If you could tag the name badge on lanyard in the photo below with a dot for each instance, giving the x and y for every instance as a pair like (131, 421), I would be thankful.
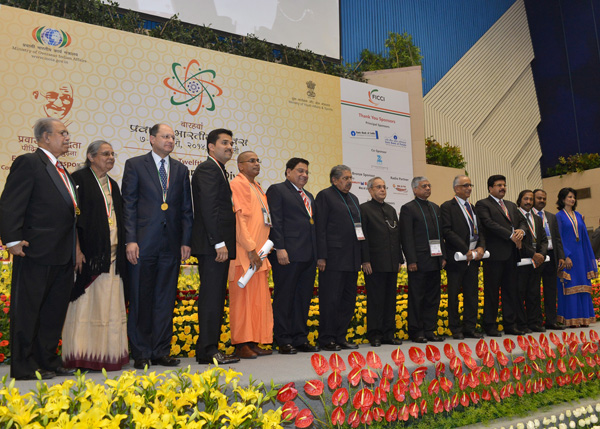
(436, 247)
(359, 232)
(472, 244)
(266, 217)
(550, 243)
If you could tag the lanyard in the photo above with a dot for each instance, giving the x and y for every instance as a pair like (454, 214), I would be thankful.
(574, 223)
(68, 184)
(425, 219)
(253, 187)
(529, 223)
(473, 218)
(164, 191)
(107, 205)
(349, 212)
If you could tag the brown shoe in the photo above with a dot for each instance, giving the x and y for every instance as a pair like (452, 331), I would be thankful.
(243, 351)
(259, 351)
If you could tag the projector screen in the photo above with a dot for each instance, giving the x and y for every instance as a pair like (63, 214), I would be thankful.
(314, 24)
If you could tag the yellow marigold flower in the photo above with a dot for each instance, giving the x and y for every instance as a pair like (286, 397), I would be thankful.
(187, 329)
(175, 349)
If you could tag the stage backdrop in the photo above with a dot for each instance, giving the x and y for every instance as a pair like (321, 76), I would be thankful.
(112, 85)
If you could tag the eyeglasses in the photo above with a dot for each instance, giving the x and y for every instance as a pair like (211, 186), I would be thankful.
(64, 133)
(166, 136)
(467, 185)
(251, 160)
(107, 154)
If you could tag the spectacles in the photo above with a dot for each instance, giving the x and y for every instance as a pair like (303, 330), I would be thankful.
(167, 136)
(107, 154)
(251, 160)
(64, 133)
(467, 185)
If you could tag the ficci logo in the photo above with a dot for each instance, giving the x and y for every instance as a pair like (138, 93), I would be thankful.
(51, 37)
(374, 97)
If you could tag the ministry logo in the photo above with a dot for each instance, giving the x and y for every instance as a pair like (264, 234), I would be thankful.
(193, 87)
(51, 37)
(311, 89)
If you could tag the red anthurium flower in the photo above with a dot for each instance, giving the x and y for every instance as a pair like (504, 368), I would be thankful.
(384, 384)
(554, 338)
(520, 389)
(550, 352)
(455, 362)
(565, 337)
(568, 379)
(438, 405)
(289, 411)
(367, 417)
(528, 386)
(590, 361)
(573, 338)
(356, 360)
(432, 353)
(287, 392)
(388, 372)
(532, 340)
(319, 363)
(434, 387)
(470, 362)
(485, 378)
(378, 414)
(379, 396)
(334, 380)
(562, 350)
(488, 359)
(472, 380)
(398, 357)
(560, 380)
(504, 392)
(531, 353)
(550, 367)
(523, 343)
(560, 364)
(423, 407)
(540, 353)
(536, 367)
(414, 390)
(314, 387)
(454, 401)
(474, 397)
(548, 381)
(502, 359)
(516, 373)
(399, 391)
(354, 377)
(368, 375)
(449, 351)
(340, 396)
(447, 405)
(597, 357)
(403, 413)
(594, 336)
(304, 418)
(518, 359)
(464, 400)
(416, 355)
(338, 417)
(495, 394)
(543, 340)
(464, 350)
(494, 376)
(457, 371)
(509, 345)
(481, 348)
(573, 347)
(354, 419)
(363, 399)
(413, 410)
(392, 414)
(511, 389)
(526, 370)
(445, 384)
(574, 363)
(337, 363)
(486, 395)
(373, 360)
(419, 374)
(591, 375)
(440, 369)
(403, 373)
(494, 347)
(505, 374)
(462, 382)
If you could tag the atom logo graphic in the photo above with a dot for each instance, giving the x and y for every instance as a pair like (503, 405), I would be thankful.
(195, 88)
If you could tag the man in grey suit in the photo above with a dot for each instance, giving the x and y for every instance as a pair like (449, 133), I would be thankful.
(158, 218)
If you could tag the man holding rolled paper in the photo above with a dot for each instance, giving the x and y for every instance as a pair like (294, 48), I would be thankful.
(534, 249)
(462, 234)
(250, 312)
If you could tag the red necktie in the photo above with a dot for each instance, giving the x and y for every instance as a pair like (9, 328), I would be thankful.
(306, 202)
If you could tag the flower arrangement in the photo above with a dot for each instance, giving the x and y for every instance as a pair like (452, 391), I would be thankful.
(580, 417)
(175, 399)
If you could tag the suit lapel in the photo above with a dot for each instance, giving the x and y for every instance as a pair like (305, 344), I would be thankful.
(153, 172)
(56, 179)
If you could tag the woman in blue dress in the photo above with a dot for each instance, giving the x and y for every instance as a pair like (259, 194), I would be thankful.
(575, 306)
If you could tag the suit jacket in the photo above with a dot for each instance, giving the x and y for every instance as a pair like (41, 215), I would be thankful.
(336, 236)
(143, 217)
(214, 220)
(457, 231)
(595, 239)
(382, 247)
(498, 228)
(557, 247)
(541, 240)
(414, 236)
(291, 228)
(36, 206)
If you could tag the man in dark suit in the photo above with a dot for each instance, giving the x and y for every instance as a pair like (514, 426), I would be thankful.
(213, 242)
(504, 228)
(462, 233)
(339, 232)
(535, 247)
(421, 230)
(37, 222)
(548, 271)
(381, 261)
(158, 227)
(294, 263)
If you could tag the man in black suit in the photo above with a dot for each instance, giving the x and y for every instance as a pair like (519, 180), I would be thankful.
(38, 209)
(421, 231)
(504, 229)
(462, 233)
(339, 232)
(294, 263)
(381, 261)
(534, 246)
(213, 242)
(548, 271)
(157, 212)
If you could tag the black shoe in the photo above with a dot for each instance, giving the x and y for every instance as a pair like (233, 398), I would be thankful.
(287, 349)
(345, 345)
(513, 331)
(493, 333)
(331, 347)
(46, 375)
(219, 357)
(526, 330)
(376, 342)
(434, 338)
(421, 340)
(458, 336)
(61, 370)
(166, 361)
(392, 341)
(141, 363)
(473, 334)
(555, 326)
(538, 328)
(307, 348)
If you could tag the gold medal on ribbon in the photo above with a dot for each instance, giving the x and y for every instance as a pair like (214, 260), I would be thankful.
(77, 211)
(164, 206)
(312, 222)
(110, 221)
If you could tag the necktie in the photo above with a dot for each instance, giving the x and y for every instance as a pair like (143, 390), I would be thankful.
(306, 202)
(544, 222)
(470, 211)
(162, 172)
(65, 179)
(505, 211)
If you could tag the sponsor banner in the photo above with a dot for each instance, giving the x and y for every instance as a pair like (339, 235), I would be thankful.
(376, 139)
